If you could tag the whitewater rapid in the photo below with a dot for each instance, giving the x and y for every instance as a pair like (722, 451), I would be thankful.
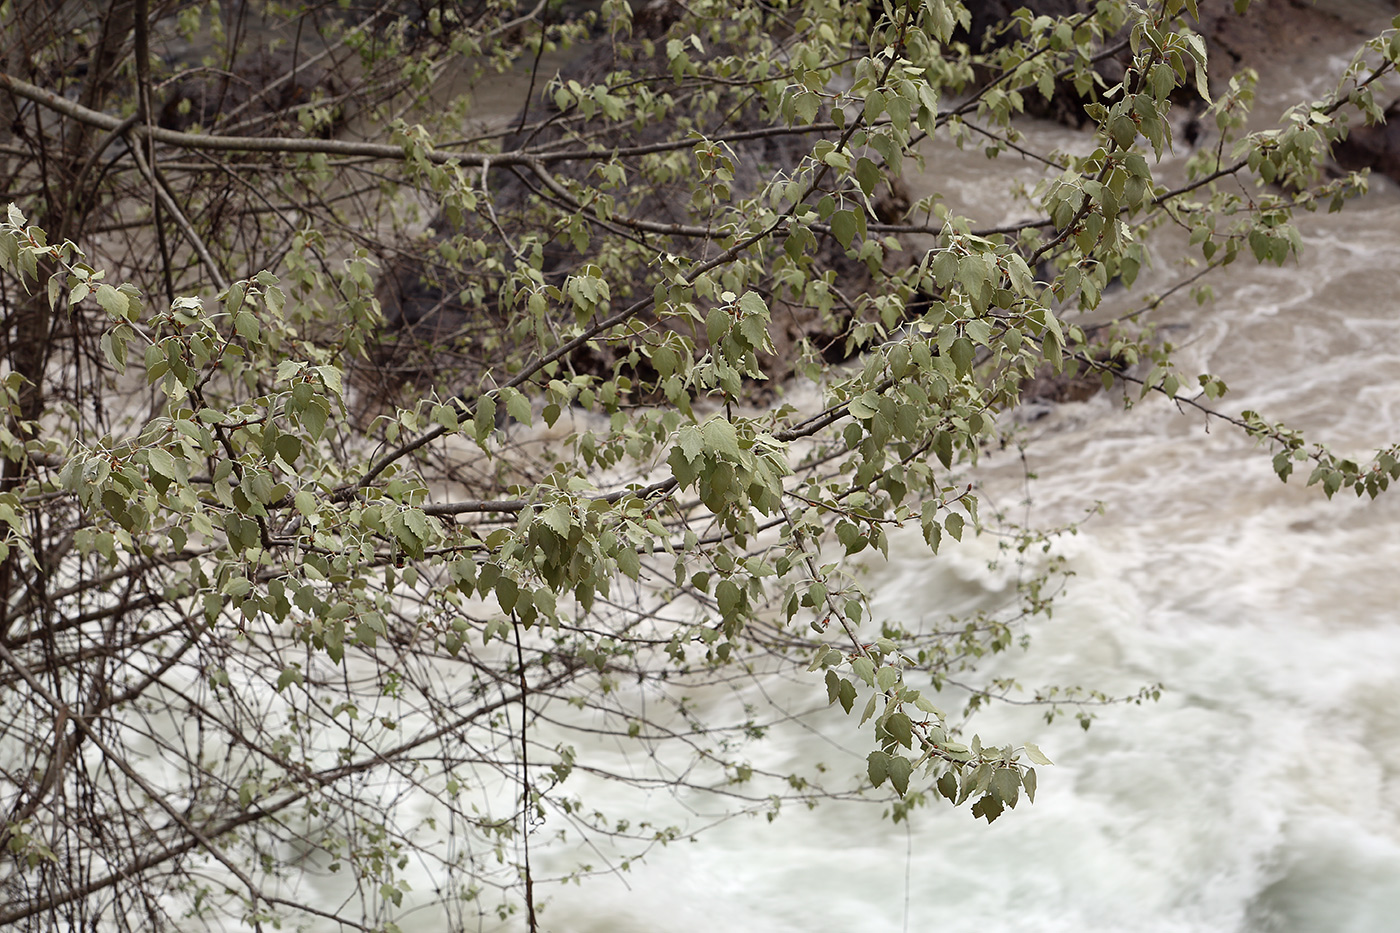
(1262, 793)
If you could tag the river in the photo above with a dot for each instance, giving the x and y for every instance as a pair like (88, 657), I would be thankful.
(1262, 793)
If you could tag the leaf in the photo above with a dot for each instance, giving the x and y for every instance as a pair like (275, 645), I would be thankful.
(948, 785)
(719, 436)
(988, 808)
(729, 597)
(161, 462)
(899, 768)
(867, 172)
(246, 325)
(484, 421)
(112, 301)
(864, 406)
(864, 668)
(417, 522)
(843, 227)
(752, 303)
(945, 268)
(289, 448)
(869, 709)
(446, 415)
(331, 377)
(690, 442)
(1036, 755)
(874, 106)
(314, 416)
(289, 676)
(1006, 786)
(924, 704)
(877, 766)
(838, 160)
(1198, 52)
(962, 353)
(943, 448)
(629, 563)
(847, 695)
(556, 517)
(899, 726)
(507, 592)
(233, 301)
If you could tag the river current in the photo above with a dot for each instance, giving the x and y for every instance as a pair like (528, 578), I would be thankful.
(1262, 793)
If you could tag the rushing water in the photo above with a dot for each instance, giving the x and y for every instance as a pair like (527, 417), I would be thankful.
(1262, 793)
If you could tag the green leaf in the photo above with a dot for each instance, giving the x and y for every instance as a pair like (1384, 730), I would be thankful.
(1036, 755)
(944, 267)
(962, 353)
(753, 303)
(729, 598)
(233, 301)
(719, 436)
(557, 518)
(314, 416)
(1006, 785)
(161, 462)
(899, 726)
(691, 443)
(867, 173)
(629, 563)
(446, 415)
(943, 448)
(246, 325)
(289, 676)
(899, 768)
(484, 421)
(864, 407)
(864, 668)
(869, 708)
(113, 301)
(988, 808)
(847, 695)
(843, 227)
(877, 767)
(948, 785)
(507, 592)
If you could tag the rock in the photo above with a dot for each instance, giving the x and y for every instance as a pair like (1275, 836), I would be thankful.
(205, 98)
(429, 324)
(1281, 33)
(1374, 147)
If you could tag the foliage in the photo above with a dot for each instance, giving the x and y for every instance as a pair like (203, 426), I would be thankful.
(257, 592)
